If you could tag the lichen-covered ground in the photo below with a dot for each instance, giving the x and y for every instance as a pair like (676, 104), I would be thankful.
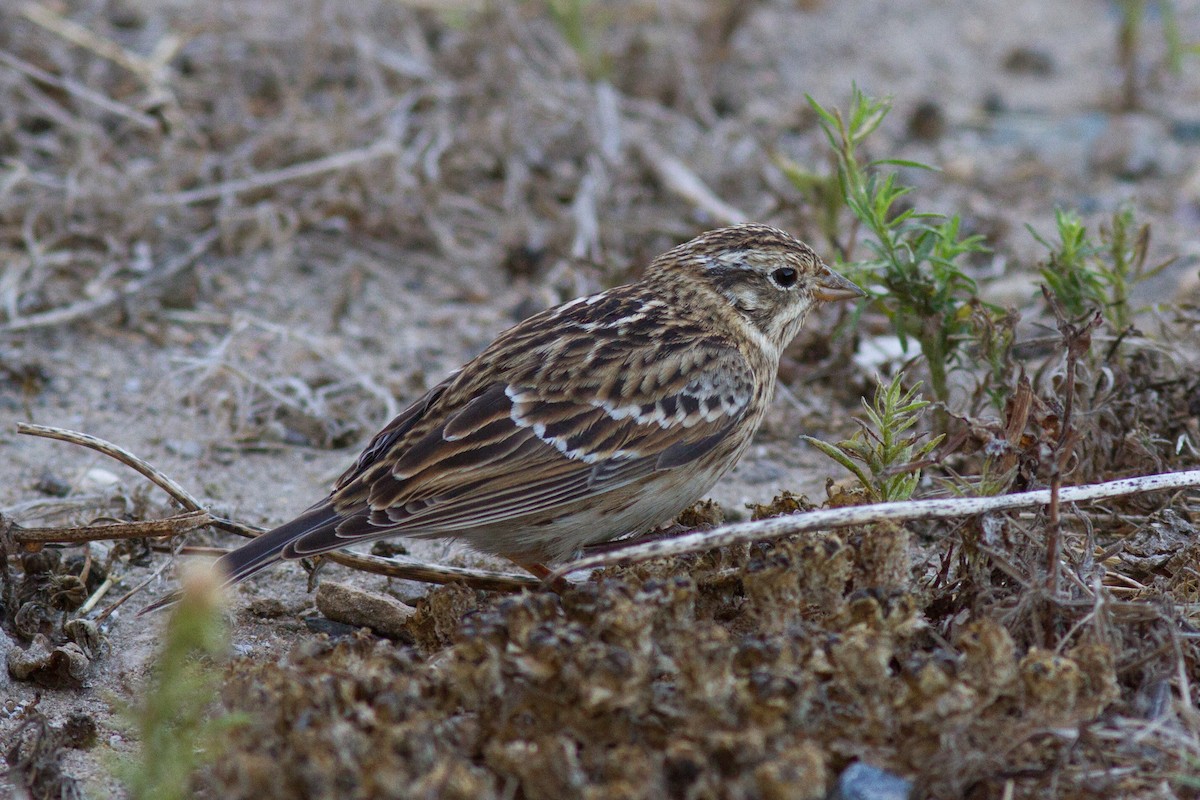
(235, 238)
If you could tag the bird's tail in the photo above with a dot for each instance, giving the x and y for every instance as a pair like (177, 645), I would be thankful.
(264, 550)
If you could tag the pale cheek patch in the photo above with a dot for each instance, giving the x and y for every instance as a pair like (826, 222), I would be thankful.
(743, 297)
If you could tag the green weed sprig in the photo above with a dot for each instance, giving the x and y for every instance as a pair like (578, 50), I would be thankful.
(1085, 274)
(880, 454)
(915, 271)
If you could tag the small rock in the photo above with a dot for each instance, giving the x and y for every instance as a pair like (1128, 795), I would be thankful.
(78, 731)
(994, 103)
(184, 448)
(98, 480)
(861, 781)
(267, 607)
(380, 613)
(50, 484)
(334, 630)
(1186, 131)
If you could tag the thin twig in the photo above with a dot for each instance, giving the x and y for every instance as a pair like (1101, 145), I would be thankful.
(680, 179)
(307, 169)
(79, 91)
(949, 508)
(153, 474)
(97, 596)
(83, 37)
(1077, 338)
(103, 615)
(87, 308)
(413, 570)
(171, 526)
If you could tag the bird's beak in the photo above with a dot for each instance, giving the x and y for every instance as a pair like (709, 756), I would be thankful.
(830, 286)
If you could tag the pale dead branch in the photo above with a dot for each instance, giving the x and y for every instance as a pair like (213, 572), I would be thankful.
(911, 511)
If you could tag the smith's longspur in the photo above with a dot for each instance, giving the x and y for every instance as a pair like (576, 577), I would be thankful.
(606, 415)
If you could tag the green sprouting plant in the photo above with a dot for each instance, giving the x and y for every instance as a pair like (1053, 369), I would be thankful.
(1068, 272)
(915, 271)
(1126, 246)
(1085, 274)
(177, 734)
(881, 453)
(828, 192)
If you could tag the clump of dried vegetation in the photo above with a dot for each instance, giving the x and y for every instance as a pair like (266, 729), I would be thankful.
(164, 195)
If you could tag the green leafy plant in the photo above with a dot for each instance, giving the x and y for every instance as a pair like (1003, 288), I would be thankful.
(173, 722)
(882, 452)
(1085, 274)
(915, 271)
(1068, 271)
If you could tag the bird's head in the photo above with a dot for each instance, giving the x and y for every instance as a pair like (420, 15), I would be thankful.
(768, 277)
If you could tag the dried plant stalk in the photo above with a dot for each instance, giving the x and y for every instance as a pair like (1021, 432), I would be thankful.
(171, 526)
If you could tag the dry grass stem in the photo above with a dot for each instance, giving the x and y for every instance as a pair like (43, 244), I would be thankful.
(383, 148)
(680, 179)
(78, 90)
(171, 526)
(146, 470)
(413, 570)
(89, 40)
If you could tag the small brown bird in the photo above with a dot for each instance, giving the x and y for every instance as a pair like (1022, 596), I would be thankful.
(607, 415)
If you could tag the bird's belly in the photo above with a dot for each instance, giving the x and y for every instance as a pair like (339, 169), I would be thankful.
(633, 509)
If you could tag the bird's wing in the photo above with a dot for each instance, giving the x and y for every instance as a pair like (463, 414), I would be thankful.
(513, 450)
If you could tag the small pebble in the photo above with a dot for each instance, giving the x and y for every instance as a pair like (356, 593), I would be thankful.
(861, 781)
(98, 480)
(50, 484)
(184, 448)
(1130, 147)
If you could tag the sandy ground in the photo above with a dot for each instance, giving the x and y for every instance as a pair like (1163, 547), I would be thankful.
(253, 377)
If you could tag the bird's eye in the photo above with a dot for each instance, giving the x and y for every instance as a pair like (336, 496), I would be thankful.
(785, 277)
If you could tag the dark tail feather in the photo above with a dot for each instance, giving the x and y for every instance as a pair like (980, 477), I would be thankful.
(264, 550)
